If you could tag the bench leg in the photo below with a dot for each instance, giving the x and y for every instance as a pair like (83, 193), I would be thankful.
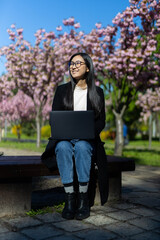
(115, 185)
(15, 196)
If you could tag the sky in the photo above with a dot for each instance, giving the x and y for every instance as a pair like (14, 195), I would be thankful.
(32, 15)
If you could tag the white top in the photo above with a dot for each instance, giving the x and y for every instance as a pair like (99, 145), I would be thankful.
(80, 99)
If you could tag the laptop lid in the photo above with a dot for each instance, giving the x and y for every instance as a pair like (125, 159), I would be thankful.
(72, 125)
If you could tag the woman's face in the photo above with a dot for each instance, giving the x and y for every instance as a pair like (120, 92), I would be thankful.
(78, 67)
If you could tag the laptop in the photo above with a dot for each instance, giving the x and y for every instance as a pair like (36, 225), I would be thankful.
(66, 125)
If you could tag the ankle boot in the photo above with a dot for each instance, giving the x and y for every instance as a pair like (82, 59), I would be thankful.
(70, 206)
(83, 210)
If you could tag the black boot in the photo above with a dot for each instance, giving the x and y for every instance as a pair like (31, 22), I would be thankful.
(70, 206)
(83, 210)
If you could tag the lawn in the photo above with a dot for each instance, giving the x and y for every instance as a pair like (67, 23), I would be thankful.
(137, 149)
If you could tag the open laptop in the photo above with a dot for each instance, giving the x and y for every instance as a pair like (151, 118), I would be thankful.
(72, 125)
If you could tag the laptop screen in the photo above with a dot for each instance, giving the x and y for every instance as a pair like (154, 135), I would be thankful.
(72, 125)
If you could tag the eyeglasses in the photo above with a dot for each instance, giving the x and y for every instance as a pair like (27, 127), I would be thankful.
(77, 64)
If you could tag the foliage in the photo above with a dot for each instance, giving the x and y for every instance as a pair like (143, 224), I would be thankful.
(45, 210)
(17, 130)
(46, 131)
(29, 128)
(59, 208)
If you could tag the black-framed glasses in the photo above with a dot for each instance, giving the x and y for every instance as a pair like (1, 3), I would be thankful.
(77, 64)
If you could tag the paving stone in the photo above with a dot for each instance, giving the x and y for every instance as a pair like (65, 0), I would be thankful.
(146, 212)
(145, 223)
(3, 229)
(12, 236)
(50, 217)
(157, 230)
(103, 209)
(64, 237)
(146, 236)
(71, 225)
(123, 229)
(122, 215)
(156, 217)
(97, 234)
(41, 232)
(147, 201)
(99, 220)
(21, 222)
(124, 206)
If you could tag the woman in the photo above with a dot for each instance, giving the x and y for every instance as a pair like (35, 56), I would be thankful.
(80, 93)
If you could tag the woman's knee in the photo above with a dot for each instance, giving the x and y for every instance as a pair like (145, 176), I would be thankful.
(83, 146)
(63, 146)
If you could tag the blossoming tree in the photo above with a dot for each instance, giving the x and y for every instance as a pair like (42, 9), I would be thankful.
(150, 104)
(131, 66)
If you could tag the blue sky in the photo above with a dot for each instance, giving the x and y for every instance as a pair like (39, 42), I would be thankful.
(32, 15)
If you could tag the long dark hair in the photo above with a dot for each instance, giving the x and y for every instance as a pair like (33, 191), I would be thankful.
(92, 92)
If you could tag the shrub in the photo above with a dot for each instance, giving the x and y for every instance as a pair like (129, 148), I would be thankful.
(46, 131)
(17, 130)
(103, 135)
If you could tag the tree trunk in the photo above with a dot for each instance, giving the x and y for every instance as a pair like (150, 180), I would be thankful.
(0, 134)
(38, 126)
(150, 131)
(119, 136)
(157, 126)
(119, 133)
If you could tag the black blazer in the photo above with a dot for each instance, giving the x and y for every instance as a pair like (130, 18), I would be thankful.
(99, 159)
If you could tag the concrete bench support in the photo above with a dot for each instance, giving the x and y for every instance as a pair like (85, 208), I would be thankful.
(115, 186)
(15, 196)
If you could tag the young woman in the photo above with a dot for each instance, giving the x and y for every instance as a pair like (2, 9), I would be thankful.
(80, 93)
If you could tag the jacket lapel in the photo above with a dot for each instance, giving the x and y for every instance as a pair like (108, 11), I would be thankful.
(89, 106)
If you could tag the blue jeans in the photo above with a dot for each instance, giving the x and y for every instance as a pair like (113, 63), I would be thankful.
(82, 152)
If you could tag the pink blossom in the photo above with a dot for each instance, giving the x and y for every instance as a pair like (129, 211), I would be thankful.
(98, 25)
(77, 25)
(59, 28)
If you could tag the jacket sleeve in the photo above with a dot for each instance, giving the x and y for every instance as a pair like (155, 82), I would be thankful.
(56, 105)
(100, 120)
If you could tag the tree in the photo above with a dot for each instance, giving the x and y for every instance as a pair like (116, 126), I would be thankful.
(131, 65)
(6, 87)
(35, 70)
(150, 104)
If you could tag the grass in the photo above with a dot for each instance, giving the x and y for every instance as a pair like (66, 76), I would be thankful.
(56, 208)
(137, 149)
(23, 146)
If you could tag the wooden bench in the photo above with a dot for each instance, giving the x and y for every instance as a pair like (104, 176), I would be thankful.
(16, 174)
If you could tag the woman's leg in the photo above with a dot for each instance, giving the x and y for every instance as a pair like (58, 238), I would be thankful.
(64, 157)
(83, 154)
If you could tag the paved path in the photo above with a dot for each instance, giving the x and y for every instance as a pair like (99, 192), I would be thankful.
(135, 217)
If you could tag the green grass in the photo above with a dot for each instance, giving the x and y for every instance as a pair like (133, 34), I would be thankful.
(139, 151)
(32, 212)
(23, 146)
(55, 208)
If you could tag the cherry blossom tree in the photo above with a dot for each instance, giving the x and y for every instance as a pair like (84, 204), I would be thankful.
(131, 66)
(6, 87)
(150, 104)
(34, 69)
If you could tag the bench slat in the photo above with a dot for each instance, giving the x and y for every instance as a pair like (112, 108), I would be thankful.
(28, 166)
